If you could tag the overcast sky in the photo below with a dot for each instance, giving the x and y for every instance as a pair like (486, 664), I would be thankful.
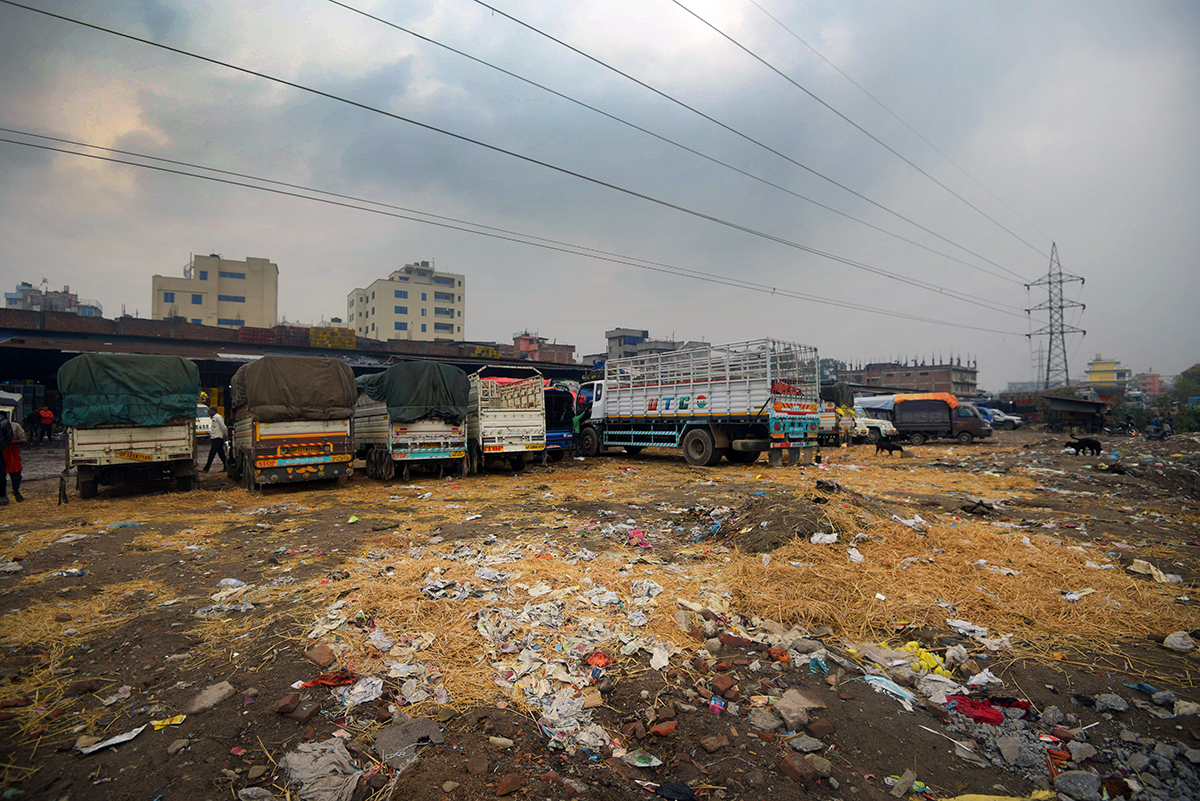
(1083, 117)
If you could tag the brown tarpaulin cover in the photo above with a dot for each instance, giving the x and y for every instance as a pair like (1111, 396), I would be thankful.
(277, 388)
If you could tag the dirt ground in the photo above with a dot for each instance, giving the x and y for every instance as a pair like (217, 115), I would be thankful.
(120, 611)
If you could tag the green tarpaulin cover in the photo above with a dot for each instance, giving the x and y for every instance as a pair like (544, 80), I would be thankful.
(419, 390)
(106, 389)
(278, 388)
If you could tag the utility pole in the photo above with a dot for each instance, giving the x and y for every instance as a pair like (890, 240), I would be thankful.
(1057, 372)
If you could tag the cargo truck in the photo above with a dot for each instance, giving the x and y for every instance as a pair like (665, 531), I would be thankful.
(129, 418)
(412, 414)
(930, 415)
(735, 401)
(292, 421)
(506, 418)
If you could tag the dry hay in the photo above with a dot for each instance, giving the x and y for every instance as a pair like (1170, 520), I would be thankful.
(34, 626)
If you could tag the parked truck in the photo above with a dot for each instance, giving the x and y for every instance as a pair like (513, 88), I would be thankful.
(860, 426)
(129, 418)
(924, 416)
(734, 400)
(292, 420)
(412, 414)
(560, 418)
(506, 418)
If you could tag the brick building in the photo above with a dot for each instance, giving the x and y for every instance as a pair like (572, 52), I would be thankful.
(954, 377)
(1151, 384)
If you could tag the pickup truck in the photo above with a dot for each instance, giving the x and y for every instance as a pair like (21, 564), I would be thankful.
(292, 421)
(506, 418)
(412, 414)
(129, 418)
(861, 426)
(733, 401)
(924, 416)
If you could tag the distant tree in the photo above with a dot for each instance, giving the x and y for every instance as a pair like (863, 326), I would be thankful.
(1187, 384)
(830, 368)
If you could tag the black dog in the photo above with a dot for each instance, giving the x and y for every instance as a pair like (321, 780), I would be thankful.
(891, 447)
(1084, 445)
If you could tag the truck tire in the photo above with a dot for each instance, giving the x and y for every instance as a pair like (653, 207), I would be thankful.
(966, 437)
(699, 449)
(405, 474)
(86, 483)
(742, 457)
(917, 438)
(387, 466)
(589, 442)
(517, 463)
(873, 435)
(633, 450)
(185, 483)
(556, 456)
(473, 456)
(1009, 425)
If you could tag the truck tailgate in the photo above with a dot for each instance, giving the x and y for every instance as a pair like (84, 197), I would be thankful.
(131, 444)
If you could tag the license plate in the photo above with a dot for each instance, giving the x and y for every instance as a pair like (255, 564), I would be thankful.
(532, 446)
(137, 457)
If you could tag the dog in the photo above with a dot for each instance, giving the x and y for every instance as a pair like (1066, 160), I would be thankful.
(1084, 445)
(882, 445)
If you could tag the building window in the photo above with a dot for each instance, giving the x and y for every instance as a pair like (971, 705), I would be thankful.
(372, 326)
(422, 274)
(443, 327)
(372, 296)
(460, 314)
(443, 312)
(197, 300)
(424, 296)
(444, 281)
(423, 314)
(196, 322)
(401, 310)
(401, 277)
(227, 321)
(232, 298)
(168, 297)
(224, 274)
(402, 293)
(422, 328)
(204, 275)
(401, 326)
(446, 296)
(460, 329)
(460, 298)
(460, 283)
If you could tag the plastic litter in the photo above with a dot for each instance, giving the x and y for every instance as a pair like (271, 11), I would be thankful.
(325, 770)
(823, 539)
(882, 684)
(1180, 641)
(111, 741)
(641, 759)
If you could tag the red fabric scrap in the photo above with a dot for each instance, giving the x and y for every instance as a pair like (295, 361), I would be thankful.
(335, 679)
(981, 711)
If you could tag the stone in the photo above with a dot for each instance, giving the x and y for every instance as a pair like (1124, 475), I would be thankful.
(1111, 702)
(734, 641)
(1164, 698)
(700, 664)
(450, 787)
(1080, 752)
(793, 706)
(256, 772)
(804, 645)
(756, 778)
(664, 713)
(1081, 785)
(397, 744)
(722, 684)
(81, 687)
(501, 742)
(820, 765)
(255, 794)
(663, 729)
(797, 768)
(286, 704)
(1138, 762)
(1052, 716)
(1010, 748)
(1128, 736)
(713, 646)
(1192, 755)
(806, 745)
(821, 728)
(714, 742)
(177, 746)
(477, 765)
(62, 617)
(305, 712)
(685, 707)
(510, 784)
(764, 719)
(320, 655)
(210, 696)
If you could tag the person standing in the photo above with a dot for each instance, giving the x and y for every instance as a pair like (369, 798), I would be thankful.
(11, 435)
(46, 429)
(217, 432)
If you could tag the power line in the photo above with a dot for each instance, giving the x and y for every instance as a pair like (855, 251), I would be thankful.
(515, 238)
(664, 139)
(736, 132)
(858, 127)
(529, 159)
(898, 118)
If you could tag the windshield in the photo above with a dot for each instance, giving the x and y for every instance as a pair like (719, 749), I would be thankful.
(202, 411)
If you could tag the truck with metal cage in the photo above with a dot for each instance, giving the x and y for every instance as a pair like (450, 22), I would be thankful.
(291, 421)
(413, 414)
(506, 418)
(733, 401)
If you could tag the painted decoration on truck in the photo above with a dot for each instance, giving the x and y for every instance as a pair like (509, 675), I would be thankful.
(683, 403)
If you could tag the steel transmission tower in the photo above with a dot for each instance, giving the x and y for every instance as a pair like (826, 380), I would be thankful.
(1056, 328)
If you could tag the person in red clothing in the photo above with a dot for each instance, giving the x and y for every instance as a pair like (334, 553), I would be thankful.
(46, 417)
(11, 435)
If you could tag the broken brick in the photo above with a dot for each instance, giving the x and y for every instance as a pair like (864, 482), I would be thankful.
(722, 684)
(796, 768)
(320, 655)
(714, 742)
(305, 712)
(510, 784)
(286, 704)
(821, 728)
(663, 729)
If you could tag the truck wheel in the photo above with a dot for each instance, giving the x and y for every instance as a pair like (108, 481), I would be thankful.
(405, 474)
(589, 442)
(872, 435)
(473, 456)
(1009, 425)
(466, 465)
(917, 438)
(742, 457)
(556, 456)
(185, 483)
(966, 437)
(517, 463)
(633, 450)
(699, 449)
(86, 482)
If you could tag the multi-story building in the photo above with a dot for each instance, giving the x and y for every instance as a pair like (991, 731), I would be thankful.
(539, 349)
(956, 378)
(220, 292)
(1151, 384)
(414, 302)
(1107, 372)
(28, 297)
(623, 342)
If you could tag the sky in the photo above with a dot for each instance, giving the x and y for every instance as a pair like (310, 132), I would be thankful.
(1014, 125)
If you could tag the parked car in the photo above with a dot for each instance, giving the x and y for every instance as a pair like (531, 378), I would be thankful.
(1006, 421)
(203, 422)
